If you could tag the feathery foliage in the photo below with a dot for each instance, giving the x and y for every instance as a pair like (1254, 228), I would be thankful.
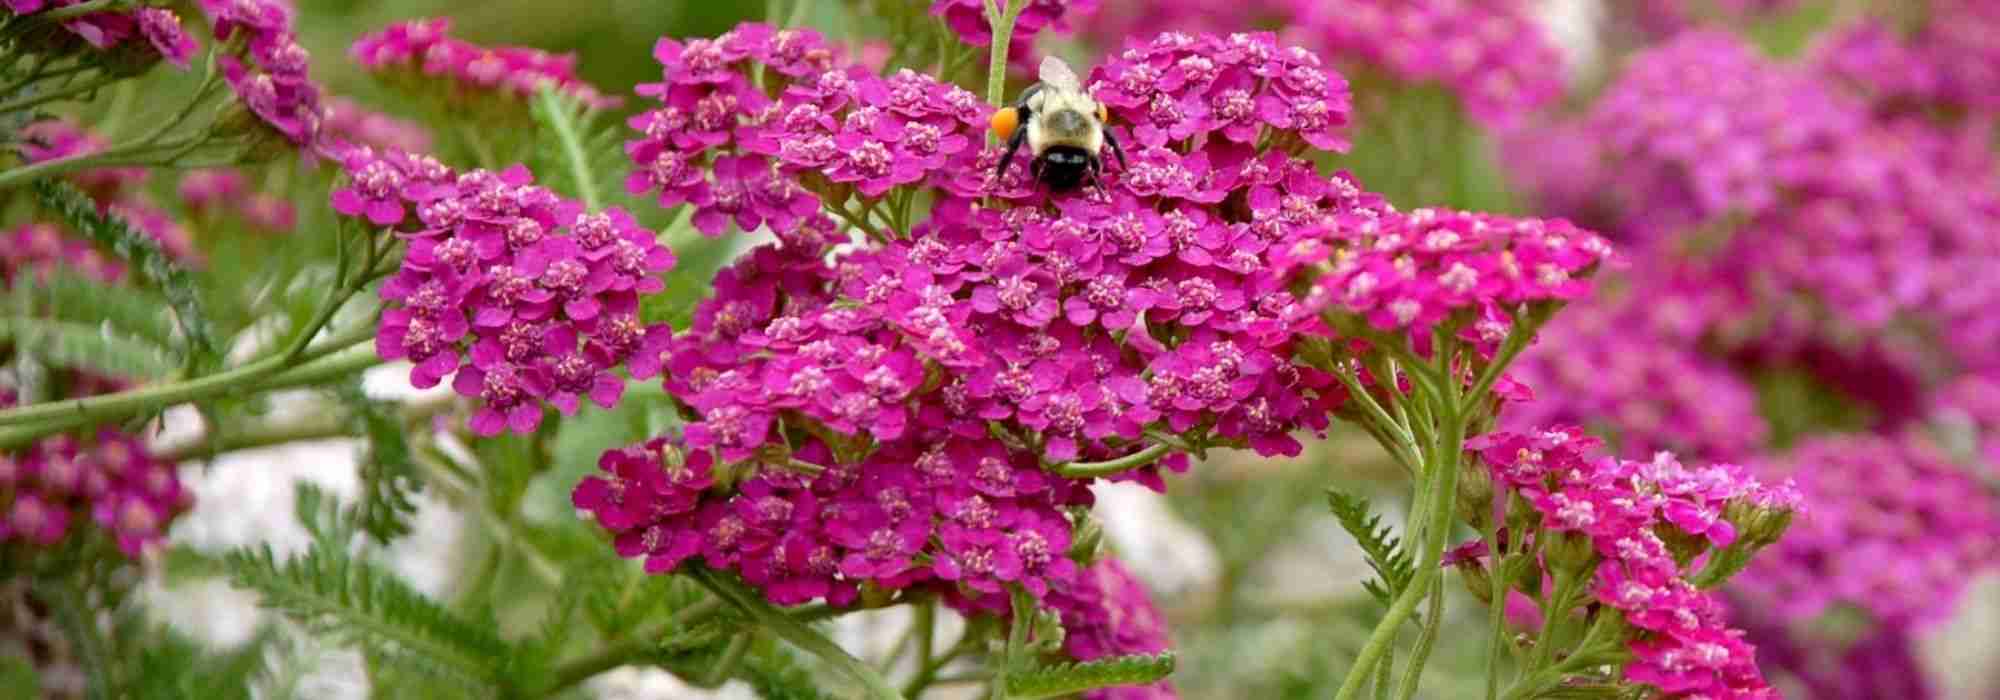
(62, 294)
(78, 210)
(95, 347)
(582, 153)
(389, 476)
(1392, 564)
(1066, 679)
(332, 592)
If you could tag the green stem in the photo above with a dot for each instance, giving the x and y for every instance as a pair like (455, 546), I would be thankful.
(1017, 641)
(261, 436)
(565, 132)
(796, 633)
(51, 96)
(1413, 676)
(1086, 470)
(1497, 574)
(570, 674)
(1436, 491)
(1003, 35)
(38, 420)
(78, 10)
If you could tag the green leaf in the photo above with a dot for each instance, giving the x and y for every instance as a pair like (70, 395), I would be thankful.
(331, 592)
(135, 247)
(568, 123)
(65, 295)
(171, 665)
(99, 348)
(1392, 564)
(390, 479)
(78, 622)
(1068, 679)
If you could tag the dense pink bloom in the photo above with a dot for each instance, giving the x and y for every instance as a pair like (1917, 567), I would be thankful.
(1409, 272)
(1109, 612)
(424, 48)
(1631, 367)
(1894, 530)
(111, 478)
(519, 294)
(1494, 55)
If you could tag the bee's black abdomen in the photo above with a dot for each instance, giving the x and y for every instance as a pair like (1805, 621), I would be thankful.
(1062, 168)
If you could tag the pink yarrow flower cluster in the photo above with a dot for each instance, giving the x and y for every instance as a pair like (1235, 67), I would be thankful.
(1494, 55)
(424, 49)
(518, 293)
(158, 30)
(1408, 272)
(110, 479)
(268, 68)
(1644, 521)
(1896, 529)
(1630, 367)
(57, 138)
(54, 486)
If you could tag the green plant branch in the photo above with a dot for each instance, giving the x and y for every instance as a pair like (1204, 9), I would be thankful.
(1436, 492)
(873, 685)
(260, 436)
(78, 10)
(1111, 467)
(28, 423)
(1413, 676)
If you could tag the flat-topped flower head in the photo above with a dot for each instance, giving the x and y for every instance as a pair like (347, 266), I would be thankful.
(522, 294)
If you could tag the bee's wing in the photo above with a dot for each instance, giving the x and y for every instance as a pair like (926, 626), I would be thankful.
(1058, 76)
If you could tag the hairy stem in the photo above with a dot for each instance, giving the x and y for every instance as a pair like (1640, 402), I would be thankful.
(1002, 19)
(1435, 492)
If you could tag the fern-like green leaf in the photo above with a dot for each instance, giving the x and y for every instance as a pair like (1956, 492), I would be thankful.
(582, 154)
(1066, 679)
(331, 592)
(1393, 567)
(389, 476)
(65, 295)
(78, 210)
(100, 348)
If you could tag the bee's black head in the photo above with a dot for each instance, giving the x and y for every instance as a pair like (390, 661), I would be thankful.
(1062, 168)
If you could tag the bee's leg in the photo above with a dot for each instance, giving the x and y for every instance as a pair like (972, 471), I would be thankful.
(1013, 145)
(1091, 168)
(1112, 141)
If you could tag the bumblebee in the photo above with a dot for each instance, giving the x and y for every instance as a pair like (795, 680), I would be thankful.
(1062, 126)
